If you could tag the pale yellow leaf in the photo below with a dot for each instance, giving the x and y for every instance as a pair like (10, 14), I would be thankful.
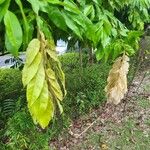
(53, 84)
(32, 51)
(42, 108)
(60, 106)
(61, 77)
(36, 85)
(30, 71)
(52, 54)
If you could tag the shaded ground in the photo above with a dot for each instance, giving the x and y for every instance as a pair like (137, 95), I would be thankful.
(121, 127)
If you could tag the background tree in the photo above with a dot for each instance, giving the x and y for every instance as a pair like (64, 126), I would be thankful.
(105, 26)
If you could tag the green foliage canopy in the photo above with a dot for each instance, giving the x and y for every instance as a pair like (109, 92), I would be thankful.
(93, 21)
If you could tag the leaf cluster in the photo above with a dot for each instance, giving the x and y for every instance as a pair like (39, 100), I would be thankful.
(93, 22)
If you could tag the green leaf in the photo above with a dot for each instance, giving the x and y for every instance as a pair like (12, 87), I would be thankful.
(1, 1)
(88, 9)
(70, 6)
(82, 2)
(44, 27)
(54, 2)
(56, 17)
(3, 8)
(107, 52)
(107, 26)
(26, 26)
(133, 38)
(129, 50)
(117, 50)
(99, 53)
(105, 39)
(13, 33)
(72, 25)
(97, 2)
(35, 5)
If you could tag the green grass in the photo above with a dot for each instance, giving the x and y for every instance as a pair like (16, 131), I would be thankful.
(128, 136)
(144, 102)
(131, 134)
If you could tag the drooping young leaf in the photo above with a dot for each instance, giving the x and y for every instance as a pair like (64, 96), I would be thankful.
(30, 71)
(39, 82)
(53, 84)
(54, 61)
(43, 83)
(41, 109)
(32, 51)
(44, 26)
(61, 77)
(13, 35)
(53, 55)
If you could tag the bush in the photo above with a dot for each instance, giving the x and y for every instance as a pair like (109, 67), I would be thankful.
(10, 84)
(22, 134)
(11, 90)
(71, 61)
(85, 89)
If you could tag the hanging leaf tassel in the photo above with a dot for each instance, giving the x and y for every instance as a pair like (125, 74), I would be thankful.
(45, 84)
(117, 80)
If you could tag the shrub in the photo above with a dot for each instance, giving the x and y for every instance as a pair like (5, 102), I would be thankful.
(71, 61)
(10, 84)
(85, 89)
(23, 134)
(11, 89)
